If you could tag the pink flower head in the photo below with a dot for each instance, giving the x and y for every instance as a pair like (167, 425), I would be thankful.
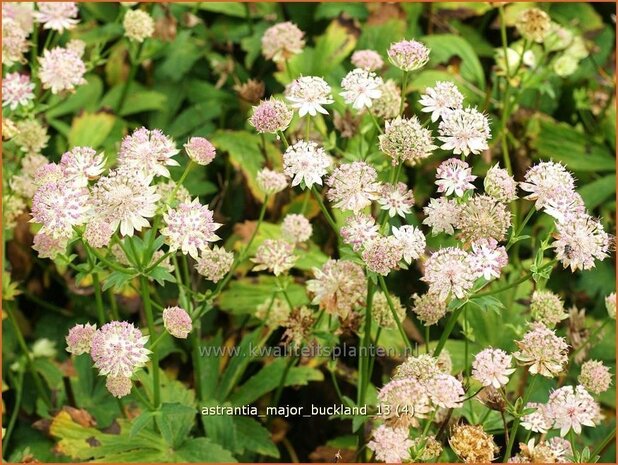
(408, 55)
(200, 150)
(148, 151)
(492, 367)
(58, 207)
(271, 116)
(454, 177)
(79, 339)
(57, 16)
(118, 386)
(118, 349)
(177, 322)
(367, 59)
(17, 90)
(61, 70)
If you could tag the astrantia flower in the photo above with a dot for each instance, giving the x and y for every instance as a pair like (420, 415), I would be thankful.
(610, 305)
(308, 94)
(454, 176)
(565, 205)
(382, 254)
(57, 16)
(274, 312)
(296, 228)
(544, 179)
(421, 367)
(367, 59)
(464, 131)
(98, 233)
(171, 193)
(353, 186)
(382, 313)
(406, 140)
(276, 256)
(412, 241)
(31, 136)
(483, 217)
(390, 445)
(408, 55)
(431, 448)
(50, 173)
(82, 164)
(581, 241)
(429, 308)
(48, 246)
(200, 150)
(442, 215)
(500, 185)
(338, 287)
(61, 70)
(547, 307)
(445, 391)
(595, 376)
(396, 199)
(124, 199)
(492, 367)
(472, 444)
(16, 90)
(543, 351)
(77, 46)
(488, 258)
(214, 263)
(118, 349)
(449, 273)
(118, 386)
(404, 401)
(282, 41)
(537, 421)
(358, 230)
(305, 162)
(13, 206)
(360, 88)
(177, 322)
(441, 99)
(79, 339)
(298, 326)
(271, 116)
(138, 25)
(14, 42)
(148, 151)
(271, 182)
(58, 207)
(571, 408)
(387, 105)
(534, 24)
(20, 12)
(23, 182)
(190, 227)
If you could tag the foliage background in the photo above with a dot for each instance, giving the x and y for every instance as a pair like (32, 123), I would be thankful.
(188, 86)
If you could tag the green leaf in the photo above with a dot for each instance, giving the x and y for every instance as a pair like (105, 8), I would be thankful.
(137, 100)
(246, 294)
(193, 118)
(561, 142)
(203, 450)
(237, 10)
(596, 192)
(245, 154)
(91, 129)
(86, 97)
(445, 46)
(50, 372)
(221, 429)
(180, 56)
(269, 377)
(380, 36)
(254, 437)
(175, 422)
(333, 10)
(142, 421)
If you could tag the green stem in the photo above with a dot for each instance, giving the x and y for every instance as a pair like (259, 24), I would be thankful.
(286, 144)
(448, 329)
(525, 278)
(375, 121)
(8, 307)
(184, 175)
(130, 78)
(404, 336)
(144, 287)
(513, 433)
(363, 363)
(113, 305)
(325, 212)
(98, 298)
(18, 387)
(404, 84)
(426, 339)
